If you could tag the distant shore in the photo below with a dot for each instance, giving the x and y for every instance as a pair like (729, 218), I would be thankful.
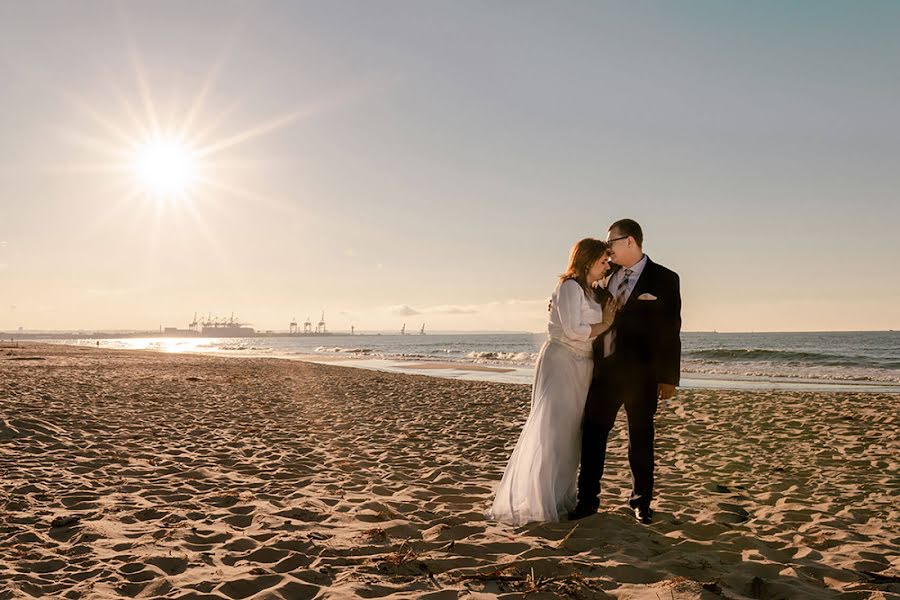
(155, 474)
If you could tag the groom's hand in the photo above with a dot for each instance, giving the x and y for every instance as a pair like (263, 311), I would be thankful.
(665, 391)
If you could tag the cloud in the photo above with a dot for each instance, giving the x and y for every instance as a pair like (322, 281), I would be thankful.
(497, 306)
(404, 310)
(516, 304)
(451, 310)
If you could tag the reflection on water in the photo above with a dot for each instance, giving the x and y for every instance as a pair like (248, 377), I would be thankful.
(158, 344)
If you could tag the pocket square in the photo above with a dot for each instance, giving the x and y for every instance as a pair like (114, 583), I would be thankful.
(647, 297)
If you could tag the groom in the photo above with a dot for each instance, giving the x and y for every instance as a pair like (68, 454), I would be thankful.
(636, 364)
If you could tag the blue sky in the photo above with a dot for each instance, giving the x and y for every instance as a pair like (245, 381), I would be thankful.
(434, 161)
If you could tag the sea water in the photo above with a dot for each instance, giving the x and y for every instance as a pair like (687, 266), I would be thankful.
(830, 360)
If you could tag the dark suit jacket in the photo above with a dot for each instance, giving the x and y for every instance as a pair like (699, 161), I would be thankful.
(648, 332)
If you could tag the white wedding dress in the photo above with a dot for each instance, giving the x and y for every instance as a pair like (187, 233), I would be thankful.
(540, 481)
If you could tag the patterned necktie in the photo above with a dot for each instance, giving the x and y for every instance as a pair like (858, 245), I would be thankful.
(609, 341)
(622, 296)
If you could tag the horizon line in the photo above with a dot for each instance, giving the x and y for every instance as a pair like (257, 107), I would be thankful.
(13, 333)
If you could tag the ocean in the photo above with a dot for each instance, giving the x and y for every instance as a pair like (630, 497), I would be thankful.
(862, 361)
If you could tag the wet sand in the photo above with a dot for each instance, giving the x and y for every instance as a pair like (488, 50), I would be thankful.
(141, 474)
(427, 366)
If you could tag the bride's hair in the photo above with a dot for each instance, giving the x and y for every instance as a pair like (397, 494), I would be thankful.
(582, 257)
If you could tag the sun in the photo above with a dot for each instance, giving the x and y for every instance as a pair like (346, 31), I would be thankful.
(165, 167)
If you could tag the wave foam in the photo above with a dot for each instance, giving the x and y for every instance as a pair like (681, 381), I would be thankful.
(516, 357)
(340, 350)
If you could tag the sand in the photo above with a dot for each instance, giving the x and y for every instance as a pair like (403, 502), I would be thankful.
(142, 474)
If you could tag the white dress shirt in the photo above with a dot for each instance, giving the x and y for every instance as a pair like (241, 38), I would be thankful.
(614, 287)
(571, 317)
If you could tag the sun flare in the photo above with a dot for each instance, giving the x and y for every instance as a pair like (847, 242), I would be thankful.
(165, 167)
(169, 167)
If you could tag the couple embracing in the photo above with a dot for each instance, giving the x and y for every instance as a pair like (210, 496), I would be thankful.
(614, 340)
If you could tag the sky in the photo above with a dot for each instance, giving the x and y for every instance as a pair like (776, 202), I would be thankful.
(432, 162)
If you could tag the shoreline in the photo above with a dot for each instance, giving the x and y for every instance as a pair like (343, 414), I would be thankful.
(523, 375)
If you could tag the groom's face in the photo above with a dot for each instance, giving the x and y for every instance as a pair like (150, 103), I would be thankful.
(618, 246)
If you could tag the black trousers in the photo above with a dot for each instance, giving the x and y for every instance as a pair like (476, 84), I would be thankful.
(616, 385)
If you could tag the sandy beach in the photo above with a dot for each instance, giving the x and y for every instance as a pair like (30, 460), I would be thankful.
(142, 474)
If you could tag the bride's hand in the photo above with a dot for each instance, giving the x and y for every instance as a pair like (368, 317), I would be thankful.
(610, 308)
(605, 324)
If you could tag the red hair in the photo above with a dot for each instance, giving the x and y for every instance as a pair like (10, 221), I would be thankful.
(582, 257)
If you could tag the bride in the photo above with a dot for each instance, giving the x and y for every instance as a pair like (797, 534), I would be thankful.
(539, 483)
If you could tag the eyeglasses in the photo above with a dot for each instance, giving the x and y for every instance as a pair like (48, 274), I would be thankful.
(624, 237)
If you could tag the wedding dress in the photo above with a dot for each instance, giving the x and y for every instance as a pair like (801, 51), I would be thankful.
(540, 481)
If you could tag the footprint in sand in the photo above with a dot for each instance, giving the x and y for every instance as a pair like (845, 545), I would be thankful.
(732, 513)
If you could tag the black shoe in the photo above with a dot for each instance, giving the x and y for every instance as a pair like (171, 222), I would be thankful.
(644, 514)
(581, 511)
